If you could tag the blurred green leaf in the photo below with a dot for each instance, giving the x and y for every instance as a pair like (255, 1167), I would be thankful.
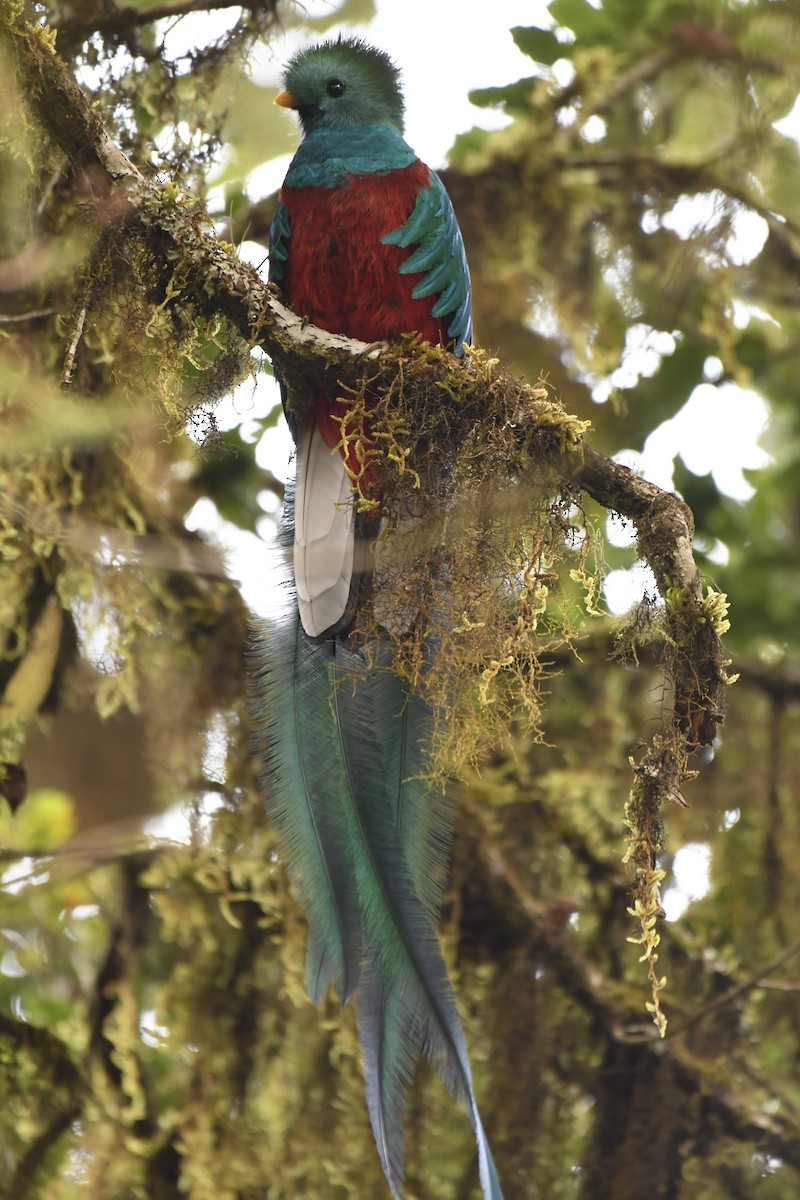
(779, 175)
(589, 24)
(45, 820)
(348, 12)
(706, 120)
(255, 132)
(541, 45)
(231, 477)
(515, 97)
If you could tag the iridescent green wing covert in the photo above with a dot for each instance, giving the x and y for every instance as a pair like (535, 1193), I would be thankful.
(433, 229)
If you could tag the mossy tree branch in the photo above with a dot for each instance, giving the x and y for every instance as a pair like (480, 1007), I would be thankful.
(214, 281)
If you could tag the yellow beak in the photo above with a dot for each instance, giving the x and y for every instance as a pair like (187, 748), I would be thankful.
(285, 100)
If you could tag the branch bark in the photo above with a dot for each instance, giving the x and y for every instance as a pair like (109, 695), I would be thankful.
(122, 23)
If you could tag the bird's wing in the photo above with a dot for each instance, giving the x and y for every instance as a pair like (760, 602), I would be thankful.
(279, 234)
(433, 229)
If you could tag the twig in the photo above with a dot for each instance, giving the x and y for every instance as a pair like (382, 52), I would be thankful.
(122, 22)
(33, 314)
(68, 370)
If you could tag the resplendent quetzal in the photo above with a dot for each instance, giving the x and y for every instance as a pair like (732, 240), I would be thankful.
(364, 243)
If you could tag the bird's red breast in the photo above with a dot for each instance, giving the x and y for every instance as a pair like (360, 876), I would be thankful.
(343, 278)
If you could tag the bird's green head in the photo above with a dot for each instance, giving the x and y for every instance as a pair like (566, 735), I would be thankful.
(341, 83)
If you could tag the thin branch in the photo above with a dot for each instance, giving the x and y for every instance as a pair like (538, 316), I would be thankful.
(34, 314)
(665, 527)
(122, 22)
(697, 177)
(68, 369)
(122, 18)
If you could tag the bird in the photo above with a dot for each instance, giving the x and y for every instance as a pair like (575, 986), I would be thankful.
(364, 243)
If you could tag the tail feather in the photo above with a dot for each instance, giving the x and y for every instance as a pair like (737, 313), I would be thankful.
(391, 1038)
(324, 541)
(297, 744)
(405, 1003)
(344, 753)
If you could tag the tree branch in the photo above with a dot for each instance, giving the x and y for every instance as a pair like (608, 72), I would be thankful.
(119, 20)
(122, 23)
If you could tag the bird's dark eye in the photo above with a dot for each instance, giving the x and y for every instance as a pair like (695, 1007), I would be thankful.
(335, 88)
